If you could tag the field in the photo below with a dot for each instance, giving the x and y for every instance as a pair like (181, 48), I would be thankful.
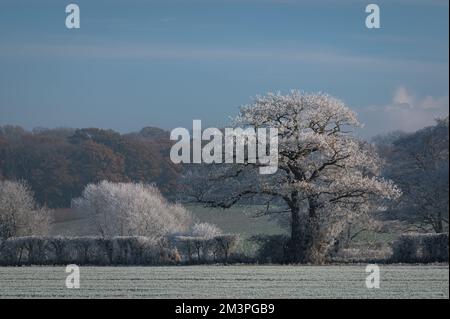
(397, 281)
(334, 281)
(239, 219)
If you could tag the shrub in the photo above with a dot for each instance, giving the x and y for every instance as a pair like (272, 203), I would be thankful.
(119, 250)
(272, 248)
(412, 248)
(435, 247)
(132, 250)
(225, 245)
(58, 245)
(362, 255)
(201, 249)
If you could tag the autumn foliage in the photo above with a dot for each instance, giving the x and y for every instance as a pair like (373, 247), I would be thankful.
(57, 164)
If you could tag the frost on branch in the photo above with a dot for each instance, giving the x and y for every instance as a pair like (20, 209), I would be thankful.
(19, 213)
(129, 209)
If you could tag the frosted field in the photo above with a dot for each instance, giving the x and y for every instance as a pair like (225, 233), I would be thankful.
(226, 282)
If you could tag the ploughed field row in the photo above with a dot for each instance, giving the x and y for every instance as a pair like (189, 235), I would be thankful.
(397, 281)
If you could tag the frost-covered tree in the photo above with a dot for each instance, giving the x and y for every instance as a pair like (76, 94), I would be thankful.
(325, 173)
(123, 209)
(205, 230)
(19, 213)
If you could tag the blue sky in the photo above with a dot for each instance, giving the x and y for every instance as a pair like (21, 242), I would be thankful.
(164, 63)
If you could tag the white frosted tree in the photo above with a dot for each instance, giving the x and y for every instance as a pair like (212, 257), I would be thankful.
(205, 230)
(324, 175)
(19, 213)
(130, 209)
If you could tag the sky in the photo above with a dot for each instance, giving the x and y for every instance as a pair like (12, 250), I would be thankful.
(164, 63)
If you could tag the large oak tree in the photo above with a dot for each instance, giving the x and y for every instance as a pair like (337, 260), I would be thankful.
(326, 175)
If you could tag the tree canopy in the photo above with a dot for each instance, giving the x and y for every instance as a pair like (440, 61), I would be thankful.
(59, 163)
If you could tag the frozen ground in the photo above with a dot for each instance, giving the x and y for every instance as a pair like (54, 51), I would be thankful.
(397, 281)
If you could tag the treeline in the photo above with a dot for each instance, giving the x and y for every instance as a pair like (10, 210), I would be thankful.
(58, 163)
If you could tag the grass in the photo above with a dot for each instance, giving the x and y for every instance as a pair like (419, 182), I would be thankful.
(397, 281)
(238, 219)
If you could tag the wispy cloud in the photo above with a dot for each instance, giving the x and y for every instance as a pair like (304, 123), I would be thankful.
(407, 112)
(143, 52)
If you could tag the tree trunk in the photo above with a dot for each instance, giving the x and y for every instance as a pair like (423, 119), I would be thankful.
(439, 225)
(314, 248)
(311, 249)
(306, 244)
(295, 244)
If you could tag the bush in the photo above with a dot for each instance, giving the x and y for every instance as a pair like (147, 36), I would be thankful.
(133, 250)
(225, 245)
(435, 247)
(412, 248)
(272, 248)
(202, 250)
(362, 255)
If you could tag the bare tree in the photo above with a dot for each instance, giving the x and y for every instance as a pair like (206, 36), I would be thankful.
(125, 209)
(324, 175)
(419, 163)
(19, 213)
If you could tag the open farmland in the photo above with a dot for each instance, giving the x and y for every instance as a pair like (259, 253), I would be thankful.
(239, 219)
(397, 281)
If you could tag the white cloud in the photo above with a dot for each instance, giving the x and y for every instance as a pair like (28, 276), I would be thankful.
(402, 96)
(407, 112)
